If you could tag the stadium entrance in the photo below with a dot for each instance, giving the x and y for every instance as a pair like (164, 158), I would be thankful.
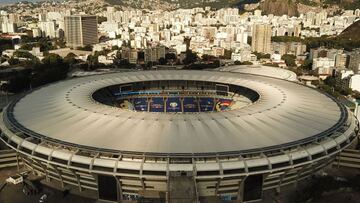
(107, 188)
(253, 188)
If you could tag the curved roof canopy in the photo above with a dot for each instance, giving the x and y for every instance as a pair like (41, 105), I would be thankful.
(285, 113)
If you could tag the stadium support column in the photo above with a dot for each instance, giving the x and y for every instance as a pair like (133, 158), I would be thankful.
(167, 179)
(241, 189)
(77, 178)
(120, 192)
(17, 161)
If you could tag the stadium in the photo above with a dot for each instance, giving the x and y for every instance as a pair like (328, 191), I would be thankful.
(156, 134)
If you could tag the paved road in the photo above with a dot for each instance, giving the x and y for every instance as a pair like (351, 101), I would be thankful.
(13, 194)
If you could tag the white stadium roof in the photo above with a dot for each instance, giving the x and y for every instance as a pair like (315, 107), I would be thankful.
(285, 113)
(269, 71)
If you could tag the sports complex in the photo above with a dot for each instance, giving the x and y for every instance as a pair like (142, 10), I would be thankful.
(140, 134)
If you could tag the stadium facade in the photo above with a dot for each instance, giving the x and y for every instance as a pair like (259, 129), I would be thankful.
(123, 135)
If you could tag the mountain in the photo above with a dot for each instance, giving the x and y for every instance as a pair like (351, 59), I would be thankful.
(153, 4)
(279, 7)
(351, 32)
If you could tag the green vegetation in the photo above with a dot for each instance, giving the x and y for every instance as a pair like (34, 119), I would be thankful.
(18, 82)
(13, 61)
(332, 42)
(271, 64)
(101, 19)
(5, 44)
(202, 66)
(45, 44)
(52, 68)
(347, 5)
(337, 42)
(307, 65)
(86, 48)
(333, 87)
(320, 185)
(190, 58)
(187, 3)
(23, 54)
(308, 2)
(261, 55)
(289, 60)
(243, 63)
(285, 39)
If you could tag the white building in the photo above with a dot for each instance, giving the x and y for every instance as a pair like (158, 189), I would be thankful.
(48, 29)
(354, 83)
(8, 27)
(323, 66)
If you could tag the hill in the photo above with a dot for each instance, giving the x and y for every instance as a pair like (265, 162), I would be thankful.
(351, 32)
(216, 4)
(276, 7)
(279, 7)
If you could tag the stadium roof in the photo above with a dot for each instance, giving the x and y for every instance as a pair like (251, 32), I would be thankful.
(275, 72)
(285, 113)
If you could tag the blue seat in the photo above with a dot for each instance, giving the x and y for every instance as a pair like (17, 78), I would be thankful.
(157, 104)
(173, 104)
(140, 104)
(206, 104)
(190, 104)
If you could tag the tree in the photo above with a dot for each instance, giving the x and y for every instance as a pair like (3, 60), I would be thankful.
(330, 81)
(70, 59)
(60, 43)
(307, 65)
(5, 44)
(190, 57)
(116, 47)
(285, 39)
(53, 59)
(261, 55)
(162, 61)
(13, 61)
(227, 54)
(208, 58)
(23, 54)
(18, 83)
(289, 60)
(27, 46)
(170, 56)
(243, 63)
(50, 70)
(92, 62)
(101, 19)
(86, 48)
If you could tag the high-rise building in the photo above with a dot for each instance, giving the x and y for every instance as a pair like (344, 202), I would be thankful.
(354, 61)
(261, 38)
(47, 29)
(81, 30)
(8, 27)
(42, 17)
(340, 60)
(133, 57)
(154, 54)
